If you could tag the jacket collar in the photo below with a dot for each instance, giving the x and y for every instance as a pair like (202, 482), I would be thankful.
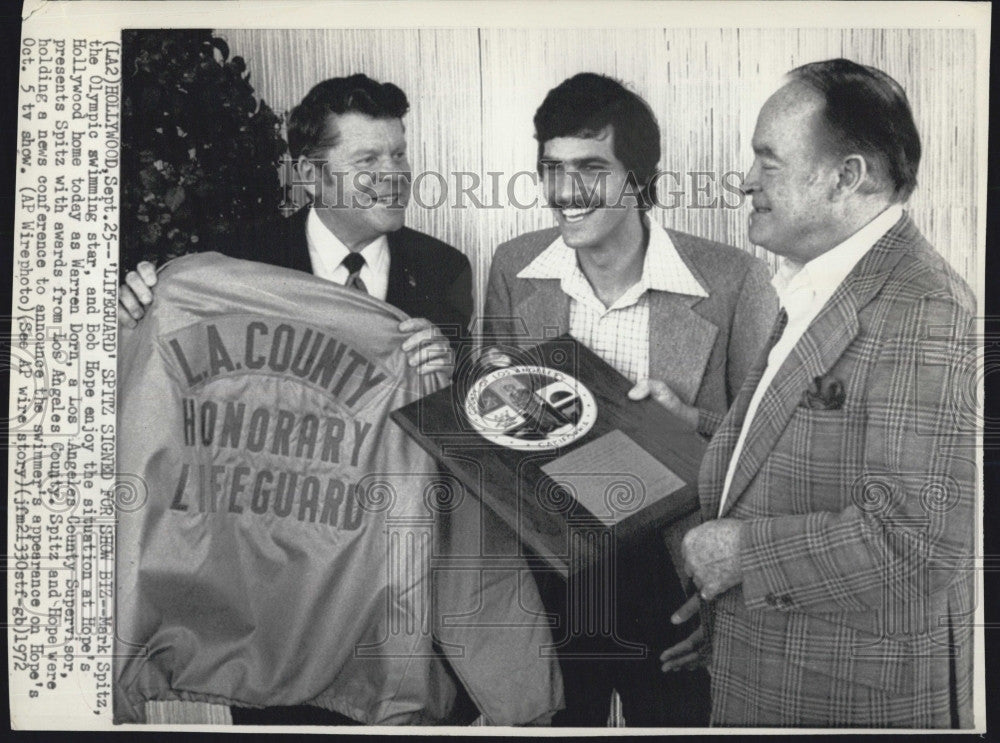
(403, 279)
(680, 339)
(663, 268)
(823, 343)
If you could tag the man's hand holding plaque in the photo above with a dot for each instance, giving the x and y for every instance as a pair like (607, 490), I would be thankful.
(661, 392)
(552, 438)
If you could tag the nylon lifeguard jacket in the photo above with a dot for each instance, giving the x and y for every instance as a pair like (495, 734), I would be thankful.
(275, 547)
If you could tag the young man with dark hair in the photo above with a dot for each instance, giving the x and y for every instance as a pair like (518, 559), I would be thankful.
(681, 317)
(839, 491)
(349, 145)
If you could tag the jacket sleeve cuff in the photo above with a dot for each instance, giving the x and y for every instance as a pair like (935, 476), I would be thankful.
(763, 584)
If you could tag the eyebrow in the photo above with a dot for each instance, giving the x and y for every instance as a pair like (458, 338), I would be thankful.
(357, 154)
(764, 151)
(363, 151)
(575, 162)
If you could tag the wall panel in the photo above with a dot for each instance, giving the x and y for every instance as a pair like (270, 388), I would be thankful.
(473, 93)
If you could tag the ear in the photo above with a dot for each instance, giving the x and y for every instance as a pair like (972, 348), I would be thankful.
(851, 174)
(307, 175)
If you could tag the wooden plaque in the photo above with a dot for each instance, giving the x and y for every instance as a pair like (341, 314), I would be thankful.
(633, 463)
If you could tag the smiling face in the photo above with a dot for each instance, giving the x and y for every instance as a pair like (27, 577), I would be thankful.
(793, 177)
(361, 184)
(584, 184)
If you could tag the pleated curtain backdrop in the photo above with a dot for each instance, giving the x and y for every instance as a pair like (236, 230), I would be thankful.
(473, 93)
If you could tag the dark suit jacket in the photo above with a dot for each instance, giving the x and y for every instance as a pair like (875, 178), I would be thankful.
(427, 277)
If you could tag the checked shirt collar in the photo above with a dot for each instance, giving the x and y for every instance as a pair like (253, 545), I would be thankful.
(663, 270)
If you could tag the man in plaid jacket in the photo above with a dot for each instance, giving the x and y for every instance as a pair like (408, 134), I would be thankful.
(834, 562)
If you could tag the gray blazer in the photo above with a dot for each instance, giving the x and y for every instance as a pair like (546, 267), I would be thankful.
(702, 347)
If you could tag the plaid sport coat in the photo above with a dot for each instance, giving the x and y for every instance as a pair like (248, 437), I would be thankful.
(857, 597)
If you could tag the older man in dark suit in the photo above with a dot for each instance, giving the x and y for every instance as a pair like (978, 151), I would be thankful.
(349, 145)
(681, 317)
(839, 491)
(348, 141)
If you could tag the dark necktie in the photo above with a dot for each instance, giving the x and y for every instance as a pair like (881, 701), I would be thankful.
(780, 322)
(353, 262)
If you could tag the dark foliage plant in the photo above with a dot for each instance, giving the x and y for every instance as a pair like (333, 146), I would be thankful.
(199, 149)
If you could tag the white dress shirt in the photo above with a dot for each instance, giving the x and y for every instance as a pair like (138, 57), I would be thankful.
(803, 289)
(619, 334)
(327, 252)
